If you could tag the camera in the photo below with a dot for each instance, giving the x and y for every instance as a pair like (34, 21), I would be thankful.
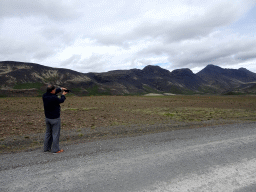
(67, 90)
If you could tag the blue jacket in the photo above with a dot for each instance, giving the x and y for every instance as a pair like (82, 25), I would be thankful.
(52, 104)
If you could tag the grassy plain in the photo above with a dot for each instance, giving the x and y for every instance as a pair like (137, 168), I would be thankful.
(83, 118)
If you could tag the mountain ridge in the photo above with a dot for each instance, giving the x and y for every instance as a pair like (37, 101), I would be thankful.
(212, 79)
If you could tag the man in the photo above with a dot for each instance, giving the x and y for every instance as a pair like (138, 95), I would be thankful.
(52, 118)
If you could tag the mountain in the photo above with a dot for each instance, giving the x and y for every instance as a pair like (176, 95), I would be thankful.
(212, 79)
(226, 79)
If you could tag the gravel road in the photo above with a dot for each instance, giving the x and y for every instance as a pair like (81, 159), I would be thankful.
(217, 158)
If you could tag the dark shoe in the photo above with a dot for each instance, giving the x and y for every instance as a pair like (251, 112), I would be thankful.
(48, 150)
(60, 151)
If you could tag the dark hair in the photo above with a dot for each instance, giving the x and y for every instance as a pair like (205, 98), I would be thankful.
(50, 88)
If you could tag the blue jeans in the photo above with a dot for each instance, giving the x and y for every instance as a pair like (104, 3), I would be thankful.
(52, 135)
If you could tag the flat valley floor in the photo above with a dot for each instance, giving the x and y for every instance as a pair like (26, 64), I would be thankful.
(93, 118)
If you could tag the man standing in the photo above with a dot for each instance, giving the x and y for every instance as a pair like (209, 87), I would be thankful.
(52, 118)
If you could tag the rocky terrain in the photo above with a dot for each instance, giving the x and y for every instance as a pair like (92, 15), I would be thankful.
(152, 79)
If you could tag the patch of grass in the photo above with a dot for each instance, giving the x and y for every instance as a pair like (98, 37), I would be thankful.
(196, 114)
(114, 123)
(176, 90)
(28, 85)
(77, 90)
(94, 91)
(89, 108)
(149, 89)
(169, 114)
(234, 93)
(2, 146)
(207, 90)
(71, 109)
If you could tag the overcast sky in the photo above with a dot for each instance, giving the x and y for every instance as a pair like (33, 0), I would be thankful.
(103, 35)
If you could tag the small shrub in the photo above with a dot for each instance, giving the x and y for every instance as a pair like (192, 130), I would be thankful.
(169, 114)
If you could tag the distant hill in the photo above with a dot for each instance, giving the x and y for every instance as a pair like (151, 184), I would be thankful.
(227, 80)
(152, 79)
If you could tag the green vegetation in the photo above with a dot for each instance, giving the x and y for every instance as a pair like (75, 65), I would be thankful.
(76, 90)
(149, 89)
(197, 114)
(90, 108)
(71, 109)
(36, 85)
(207, 90)
(234, 93)
(239, 93)
(176, 90)
(188, 92)
(95, 91)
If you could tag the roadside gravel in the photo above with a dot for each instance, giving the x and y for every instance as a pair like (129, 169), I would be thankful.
(211, 158)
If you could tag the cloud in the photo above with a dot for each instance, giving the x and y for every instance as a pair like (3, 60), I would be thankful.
(104, 35)
(54, 10)
(202, 51)
(197, 22)
(245, 55)
(94, 63)
(72, 60)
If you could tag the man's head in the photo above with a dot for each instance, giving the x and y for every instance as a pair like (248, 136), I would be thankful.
(51, 89)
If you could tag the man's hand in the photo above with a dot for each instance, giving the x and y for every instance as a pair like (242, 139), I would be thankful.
(64, 92)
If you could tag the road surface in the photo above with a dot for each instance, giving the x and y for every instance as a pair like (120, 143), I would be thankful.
(219, 158)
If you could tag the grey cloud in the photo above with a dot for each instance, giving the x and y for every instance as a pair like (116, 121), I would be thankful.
(244, 56)
(203, 51)
(221, 56)
(74, 59)
(43, 54)
(138, 62)
(54, 10)
(12, 46)
(95, 63)
(34, 48)
(170, 31)
(59, 36)
(51, 33)
(38, 30)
